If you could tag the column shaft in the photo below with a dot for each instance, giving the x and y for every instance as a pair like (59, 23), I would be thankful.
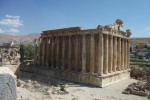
(83, 54)
(52, 52)
(119, 54)
(76, 53)
(115, 54)
(110, 60)
(43, 53)
(57, 52)
(106, 54)
(128, 54)
(47, 53)
(100, 54)
(69, 53)
(63, 53)
(122, 54)
(39, 53)
(125, 54)
(92, 54)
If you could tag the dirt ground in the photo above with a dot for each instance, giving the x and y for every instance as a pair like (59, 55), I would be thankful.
(37, 90)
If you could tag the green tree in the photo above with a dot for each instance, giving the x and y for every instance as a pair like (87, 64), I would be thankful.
(22, 50)
(27, 52)
(140, 56)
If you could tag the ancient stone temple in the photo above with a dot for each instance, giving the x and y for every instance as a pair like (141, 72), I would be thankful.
(98, 57)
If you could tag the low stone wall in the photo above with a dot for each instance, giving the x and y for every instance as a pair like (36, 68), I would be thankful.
(7, 84)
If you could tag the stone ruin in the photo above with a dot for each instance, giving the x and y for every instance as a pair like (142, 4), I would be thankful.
(9, 54)
(97, 57)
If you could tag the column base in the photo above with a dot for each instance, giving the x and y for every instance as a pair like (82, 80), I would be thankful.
(86, 78)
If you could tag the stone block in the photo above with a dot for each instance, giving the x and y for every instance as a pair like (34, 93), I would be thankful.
(148, 82)
(7, 84)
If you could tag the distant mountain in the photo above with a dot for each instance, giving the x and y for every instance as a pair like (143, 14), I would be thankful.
(15, 38)
(140, 40)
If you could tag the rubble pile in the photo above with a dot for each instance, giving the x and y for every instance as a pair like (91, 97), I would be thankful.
(138, 88)
(137, 72)
(34, 86)
(60, 90)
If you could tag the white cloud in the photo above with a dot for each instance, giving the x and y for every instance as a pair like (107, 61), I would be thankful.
(9, 16)
(13, 21)
(1, 31)
(12, 30)
(9, 31)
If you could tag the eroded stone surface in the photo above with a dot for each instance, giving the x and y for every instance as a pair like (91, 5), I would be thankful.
(7, 84)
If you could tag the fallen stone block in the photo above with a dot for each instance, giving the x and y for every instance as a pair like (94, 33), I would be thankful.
(7, 84)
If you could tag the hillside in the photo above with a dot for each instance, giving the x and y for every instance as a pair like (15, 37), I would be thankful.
(140, 40)
(29, 37)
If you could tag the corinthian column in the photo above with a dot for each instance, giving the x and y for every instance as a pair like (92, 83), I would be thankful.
(125, 54)
(83, 53)
(52, 52)
(106, 54)
(57, 52)
(92, 54)
(122, 54)
(119, 54)
(39, 52)
(110, 60)
(100, 54)
(47, 52)
(76, 52)
(128, 54)
(63, 53)
(43, 53)
(69, 53)
(115, 54)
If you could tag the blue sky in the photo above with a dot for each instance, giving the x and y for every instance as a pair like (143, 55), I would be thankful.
(20, 17)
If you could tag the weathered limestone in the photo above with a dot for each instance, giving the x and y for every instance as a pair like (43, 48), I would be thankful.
(122, 53)
(69, 54)
(83, 54)
(9, 54)
(57, 53)
(52, 52)
(114, 54)
(125, 54)
(92, 54)
(63, 54)
(119, 54)
(110, 61)
(100, 54)
(96, 56)
(76, 53)
(43, 54)
(106, 54)
(128, 58)
(47, 53)
(7, 84)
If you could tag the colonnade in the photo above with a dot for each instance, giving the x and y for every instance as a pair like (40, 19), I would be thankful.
(87, 52)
